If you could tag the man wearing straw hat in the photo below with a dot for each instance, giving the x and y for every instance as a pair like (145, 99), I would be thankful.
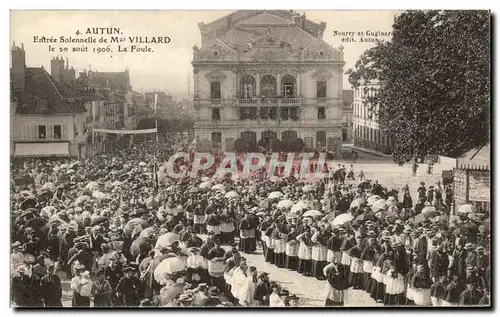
(51, 288)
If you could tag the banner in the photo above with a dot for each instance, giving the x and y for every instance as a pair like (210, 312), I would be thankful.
(144, 131)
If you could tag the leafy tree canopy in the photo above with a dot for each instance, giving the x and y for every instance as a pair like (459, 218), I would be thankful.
(434, 77)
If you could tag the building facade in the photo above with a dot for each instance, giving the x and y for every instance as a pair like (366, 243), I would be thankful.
(47, 118)
(266, 79)
(347, 116)
(367, 132)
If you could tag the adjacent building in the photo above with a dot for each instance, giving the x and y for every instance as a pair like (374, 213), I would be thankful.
(46, 120)
(55, 114)
(267, 79)
(367, 132)
(347, 115)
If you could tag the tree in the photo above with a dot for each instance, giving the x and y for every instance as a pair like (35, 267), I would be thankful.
(434, 77)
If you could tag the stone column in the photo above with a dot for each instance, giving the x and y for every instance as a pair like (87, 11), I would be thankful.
(257, 88)
(299, 91)
(196, 84)
(278, 84)
(235, 84)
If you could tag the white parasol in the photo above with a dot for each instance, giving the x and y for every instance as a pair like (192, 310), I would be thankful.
(99, 195)
(301, 205)
(205, 185)
(466, 209)
(274, 195)
(50, 186)
(218, 187)
(285, 204)
(379, 205)
(308, 188)
(341, 219)
(143, 164)
(116, 183)
(92, 186)
(232, 194)
(168, 266)
(166, 240)
(313, 213)
(372, 199)
(356, 203)
(82, 199)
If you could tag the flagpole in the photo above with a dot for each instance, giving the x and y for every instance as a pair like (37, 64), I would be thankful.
(156, 147)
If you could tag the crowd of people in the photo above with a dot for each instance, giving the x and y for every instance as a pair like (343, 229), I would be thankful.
(126, 236)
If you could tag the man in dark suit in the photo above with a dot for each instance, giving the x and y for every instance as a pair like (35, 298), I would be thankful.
(262, 290)
(470, 296)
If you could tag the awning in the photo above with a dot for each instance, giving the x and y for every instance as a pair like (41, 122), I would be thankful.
(41, 149)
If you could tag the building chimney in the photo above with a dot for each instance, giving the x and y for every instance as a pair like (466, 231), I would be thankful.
(57, 69)
(18, 73)
(302, 21)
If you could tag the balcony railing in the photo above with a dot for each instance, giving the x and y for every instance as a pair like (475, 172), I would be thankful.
(270, 101)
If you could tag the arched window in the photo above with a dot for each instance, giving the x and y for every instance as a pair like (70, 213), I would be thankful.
(249, 136)
(247, 87)
(289, 86)
(268, 86)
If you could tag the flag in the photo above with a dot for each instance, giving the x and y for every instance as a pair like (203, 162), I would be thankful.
(155, 102)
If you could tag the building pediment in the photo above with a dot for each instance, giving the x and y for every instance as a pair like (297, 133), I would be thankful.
(320, 50)
(321, 75)
(215, 76)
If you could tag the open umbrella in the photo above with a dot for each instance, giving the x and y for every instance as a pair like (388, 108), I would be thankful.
(166, 240)
(428, 209)
(63, 166)
(275, 195)
(476, 216)
(379, 205)
(285, 204)
(139, 245)
(49, 186)
(116, 183)
(100, 195)
(56, 168)
(92, 186)
(313, 213)
(218, 187)
(149, 231)
(465, 209)
(82, 199)
(142, 164)
(431, 214)
(27, 203)
(421, 218)
(168, 266)
(341, 219)
(232, 194)
(356, 203)
(308, 188)
(372, 199)
(205, 185)
(70, 171)
(301, 205)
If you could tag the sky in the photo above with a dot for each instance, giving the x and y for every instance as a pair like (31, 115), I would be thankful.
(168, 68)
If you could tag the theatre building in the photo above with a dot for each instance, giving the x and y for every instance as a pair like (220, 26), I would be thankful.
(267, 80)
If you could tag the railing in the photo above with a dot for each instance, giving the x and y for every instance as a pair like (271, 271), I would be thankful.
(270, 101)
